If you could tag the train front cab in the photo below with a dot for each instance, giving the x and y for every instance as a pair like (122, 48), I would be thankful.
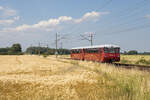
(111, 55)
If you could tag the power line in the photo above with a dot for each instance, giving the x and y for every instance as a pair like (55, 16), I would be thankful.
(136, 21)
(89, 38)
(132, 22)
(130, 29)
(58, 38)
(104, 5)
(129, 20)
(140, 4)
(129, 11)
(56, 52)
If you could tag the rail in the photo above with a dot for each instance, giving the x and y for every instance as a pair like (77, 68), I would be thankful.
(132, 66)
(127, 66)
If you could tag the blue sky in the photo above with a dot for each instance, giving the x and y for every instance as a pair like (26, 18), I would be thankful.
(122, 22)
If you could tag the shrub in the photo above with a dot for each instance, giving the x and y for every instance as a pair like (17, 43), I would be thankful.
(143, 61)
(124, 61)
(45, 55)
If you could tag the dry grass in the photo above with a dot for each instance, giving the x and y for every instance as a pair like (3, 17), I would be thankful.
(38, 78)
(136, 59)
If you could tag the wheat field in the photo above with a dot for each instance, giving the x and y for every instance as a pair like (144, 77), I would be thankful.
(30, 77)
(136, 59)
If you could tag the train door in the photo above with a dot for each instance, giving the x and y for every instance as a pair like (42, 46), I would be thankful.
(100, 54)
(83, 54)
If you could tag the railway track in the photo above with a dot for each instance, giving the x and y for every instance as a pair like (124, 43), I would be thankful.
(132, 66)
(128, 66)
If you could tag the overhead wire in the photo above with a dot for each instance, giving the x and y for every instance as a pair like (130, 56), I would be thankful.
(147, 25)
(126, 23)
(73, 28)
(127, 16)
(135, 22)
(133, 9)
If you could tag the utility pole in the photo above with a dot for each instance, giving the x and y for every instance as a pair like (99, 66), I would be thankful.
(91, 35)
(58, 38)
(31, 49)
(61, 48)
(56, 52)
(89, 38)
(39, 52)
(61, 45)
(47, 48)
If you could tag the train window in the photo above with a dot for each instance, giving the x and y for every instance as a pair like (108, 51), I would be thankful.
(111, 50)
(87, 51)
(117, 50)
(75, 51)
(93, 50)
(106, 50)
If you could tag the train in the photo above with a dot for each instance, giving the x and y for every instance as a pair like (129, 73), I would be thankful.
(107, 53)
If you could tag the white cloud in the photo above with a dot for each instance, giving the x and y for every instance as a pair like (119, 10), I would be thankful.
(147, 16)
(52, 23)
(1, 8)
(8, 16)
(5, 22)
(7, 12)
(90, 16)
(44, 24)
(9, 21)
(17, 18)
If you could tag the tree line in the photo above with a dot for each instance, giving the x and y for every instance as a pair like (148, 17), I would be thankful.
(135, 52)
(16, 49)
(46, 51)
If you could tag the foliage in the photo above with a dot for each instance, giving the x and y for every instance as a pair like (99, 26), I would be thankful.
(45, 55)
(4, 51)
(125, 61)
(45, 50)
(14, 50)
(135, 52)
(132, 52)
(135, 59)
(143, 61)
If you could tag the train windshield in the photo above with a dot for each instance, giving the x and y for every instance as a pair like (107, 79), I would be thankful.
(111, 50)
(117, 50)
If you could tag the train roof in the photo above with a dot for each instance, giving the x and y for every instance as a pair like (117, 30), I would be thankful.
(98, 46)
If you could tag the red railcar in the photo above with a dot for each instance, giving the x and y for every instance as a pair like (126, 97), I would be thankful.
(100, 53)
